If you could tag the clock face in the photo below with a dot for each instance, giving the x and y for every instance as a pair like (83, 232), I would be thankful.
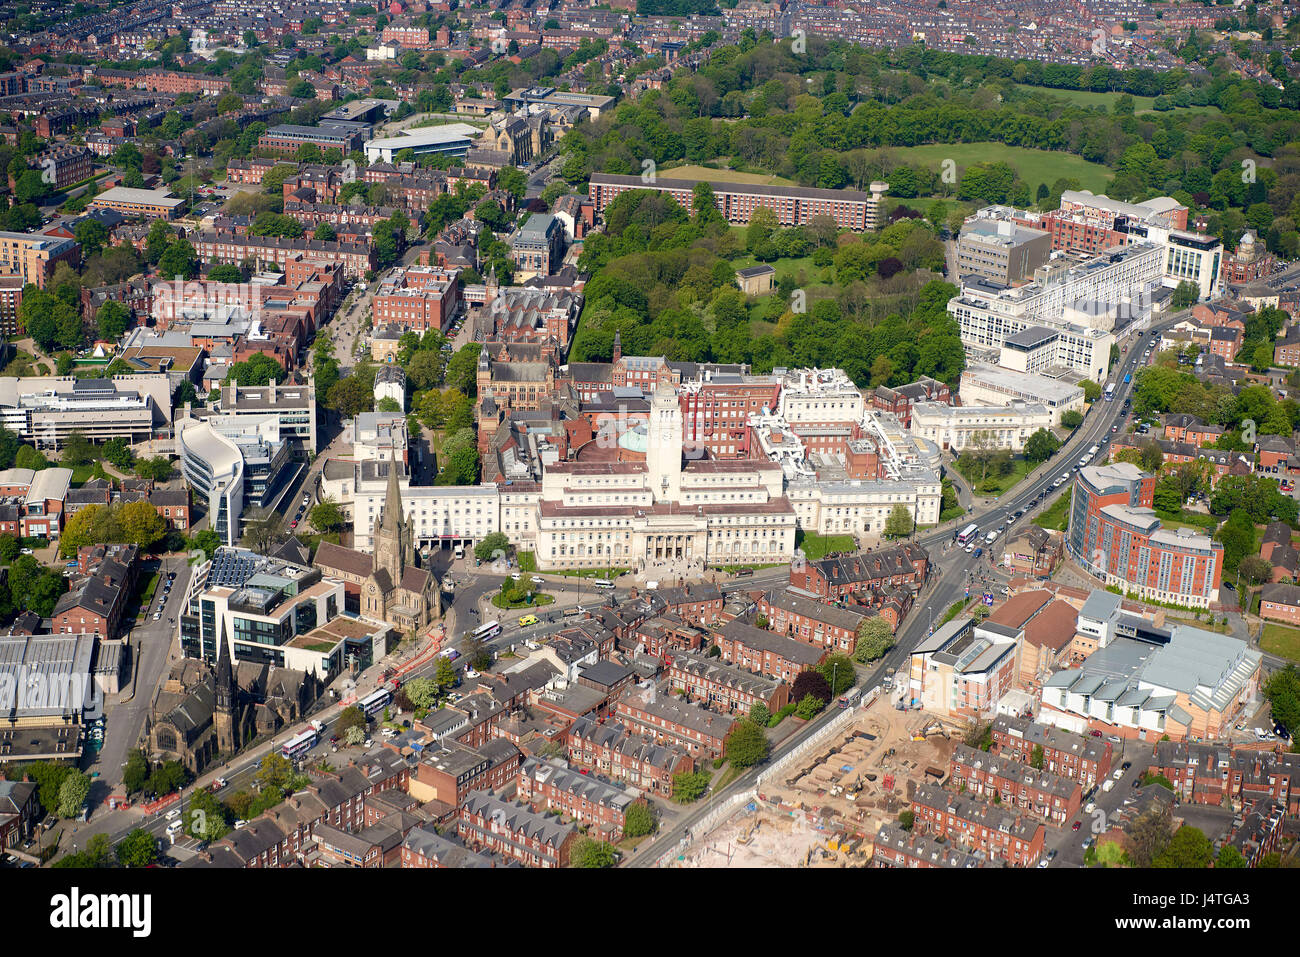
(373, 589)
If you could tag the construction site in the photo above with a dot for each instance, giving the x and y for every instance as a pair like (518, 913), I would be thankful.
(825, 810)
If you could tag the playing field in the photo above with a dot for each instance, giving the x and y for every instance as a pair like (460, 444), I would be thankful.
(1087, 98)
(1034, 166)
(723, 176)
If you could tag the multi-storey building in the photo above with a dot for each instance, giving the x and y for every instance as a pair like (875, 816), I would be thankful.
(32, 257)
(1050, 797)
(550, 786)
(418, 298)
(991, 426)
(999, 832)
(1114, 533)
(610, 750)
(730, 689)
(1082, 758)
(453, 772)
(793, 205)
(1001, 250)
(668, 721)
(766, 652)
(487, 823)
(813, 622)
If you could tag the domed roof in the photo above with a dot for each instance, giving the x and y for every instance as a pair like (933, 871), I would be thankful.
(634, 439)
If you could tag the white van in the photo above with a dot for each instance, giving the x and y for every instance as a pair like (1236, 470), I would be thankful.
(173, 829)
(992, 536)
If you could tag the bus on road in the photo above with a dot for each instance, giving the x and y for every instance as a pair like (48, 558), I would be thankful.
(1110, 392)
(968, 534)
(487, 630)
(375, 701)
(299, 745)
(601, 583)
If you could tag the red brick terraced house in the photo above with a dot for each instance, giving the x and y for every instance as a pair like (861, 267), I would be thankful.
(426, 848)
(999, 832)
(725, 688)
(813, 622)
(514, 832)
(1052, 797)
(895, 847)
(610, 750)
(1280, 602)
(1081, 758)
(1236, 778)
(831, 578)
(765, 652)
(597, 806)
(669, 721)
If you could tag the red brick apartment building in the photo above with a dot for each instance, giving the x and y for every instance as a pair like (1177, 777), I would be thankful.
(831, 578)
(1052, 797)
(1236, 778)
(724, 687)
(715, 413)
(69, 164)
(96, 607)
(999, 832)
(452, 773)
(515, 832)
(597, 806)
(668, 721)
(895, 847)
(355, 258)
(812, 622)
(793, 205)
(418, 298)
(766, 652)
(1079, 758)
(250, 171)
(608, 749)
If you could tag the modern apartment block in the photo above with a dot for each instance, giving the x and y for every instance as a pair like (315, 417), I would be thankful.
(1115, 534)
(793, 205)
(1001, 250)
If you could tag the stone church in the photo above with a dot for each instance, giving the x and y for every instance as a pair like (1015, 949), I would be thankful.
(396, 591)
(201, 713)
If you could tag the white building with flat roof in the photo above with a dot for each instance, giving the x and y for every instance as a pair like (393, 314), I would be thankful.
(995, 385)
(451, 139)
(958, 427)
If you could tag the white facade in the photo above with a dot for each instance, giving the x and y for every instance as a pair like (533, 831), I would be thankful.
(992, 385)
(957, 427)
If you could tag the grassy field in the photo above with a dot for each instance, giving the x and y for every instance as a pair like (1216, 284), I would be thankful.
(1056, 517)
(1281, 640)
(1087, 98)
(997, 486)
(819, 546)
(1218, 626)
(1034, 166)
(723, 175)
(1196, 521)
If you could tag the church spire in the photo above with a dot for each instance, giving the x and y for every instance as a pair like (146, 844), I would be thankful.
(393, 499)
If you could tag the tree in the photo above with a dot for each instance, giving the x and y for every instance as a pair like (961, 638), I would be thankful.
(1229, 857)
(1254, 570)
(1071, 419)
(205, 817)
(73, 793)
(747, 744)
(118, 453)
(180, 259)
(112, 320)
(422, 692)
(810, 682)
(263, 530)
(688, 786)
(135, 772)
(349, 397)
(274, 771)
(1189, 848)
(760, 715)
(98, 853)
(492, 546)
(1041, 446)
(639, 820)
(1037, 757)
(1091, 390)
(899, 524)
(158, 468)
(354, 736)
(1149, 835)
(137, 849)
(259, 369)
(1283, 693)
(351, 717)
(445, 673)
(809, 707)
(838, 672)
(141, 524)
(207, 540)
(592, 853)
(875, 637)
(328, 517)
